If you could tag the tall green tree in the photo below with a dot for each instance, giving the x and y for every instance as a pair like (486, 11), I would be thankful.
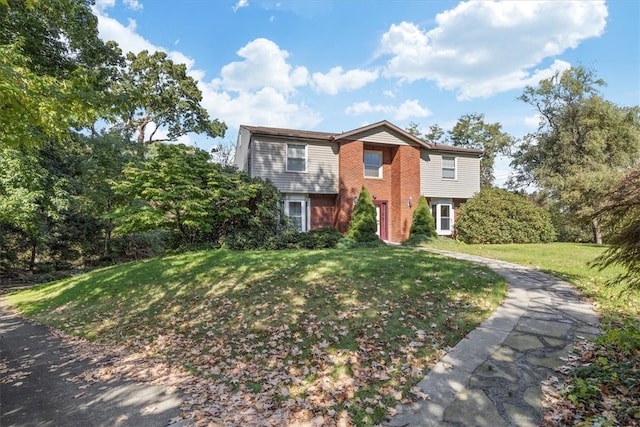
(35, 193)
(582, 148)
(159, 95)
(54, 70)
(471, 131)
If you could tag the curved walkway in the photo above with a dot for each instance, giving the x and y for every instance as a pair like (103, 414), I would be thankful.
(492, 377)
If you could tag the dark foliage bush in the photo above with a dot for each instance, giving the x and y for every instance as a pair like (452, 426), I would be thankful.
(320, 238)
(499, 216)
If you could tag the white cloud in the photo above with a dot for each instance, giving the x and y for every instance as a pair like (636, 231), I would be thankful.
(264, 65)
(532, 122)
(104, 4)
(406, 110)
(336, 80)
(130, 41)
(265, 107)
(481, 48)
(257, 90)
(133, 4)
(240, 5)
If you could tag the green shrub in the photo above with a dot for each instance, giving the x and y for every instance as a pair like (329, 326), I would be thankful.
(418, 240)
(423, 223)
(320, 238)
(346, 243)
(499, 216)
(363, 225)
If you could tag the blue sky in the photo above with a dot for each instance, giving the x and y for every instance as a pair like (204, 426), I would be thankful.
(337, 65)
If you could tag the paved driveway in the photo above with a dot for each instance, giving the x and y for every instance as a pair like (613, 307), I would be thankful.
(34, 389)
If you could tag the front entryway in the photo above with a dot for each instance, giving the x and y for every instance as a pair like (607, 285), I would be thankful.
(381, 219)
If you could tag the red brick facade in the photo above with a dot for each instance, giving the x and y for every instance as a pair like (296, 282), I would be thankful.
(400, 182)
(322, 211)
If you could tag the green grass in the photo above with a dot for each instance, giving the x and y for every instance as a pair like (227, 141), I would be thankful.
(338, 330)
(569, 261)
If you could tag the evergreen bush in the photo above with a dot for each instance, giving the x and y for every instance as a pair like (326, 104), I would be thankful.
(499, 216)
(363, 225)
(423, 222)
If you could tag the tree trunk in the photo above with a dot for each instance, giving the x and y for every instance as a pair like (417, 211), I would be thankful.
(597, 232)
(34, 253)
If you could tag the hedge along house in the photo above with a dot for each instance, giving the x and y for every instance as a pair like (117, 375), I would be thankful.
(320, 174)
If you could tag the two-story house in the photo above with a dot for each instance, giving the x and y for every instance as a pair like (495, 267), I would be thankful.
(320, 174)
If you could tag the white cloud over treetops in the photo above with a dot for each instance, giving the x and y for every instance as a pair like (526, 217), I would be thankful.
(480, 48)
(406, 110)
(337, 80)
(476, 49)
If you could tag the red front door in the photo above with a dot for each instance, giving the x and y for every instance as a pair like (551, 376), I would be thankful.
(381, 219)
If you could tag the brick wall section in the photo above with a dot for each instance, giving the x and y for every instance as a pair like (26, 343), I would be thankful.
(407, 162)
(400, 180)
(323, 207)
(351, 177)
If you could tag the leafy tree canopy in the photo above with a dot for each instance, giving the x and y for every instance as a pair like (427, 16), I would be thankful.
(471, 131)
(158, 94)
(582, 147)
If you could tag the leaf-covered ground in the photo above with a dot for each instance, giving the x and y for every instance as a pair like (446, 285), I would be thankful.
(274, 338)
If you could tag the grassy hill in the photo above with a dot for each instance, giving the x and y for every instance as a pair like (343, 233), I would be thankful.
(337, 334)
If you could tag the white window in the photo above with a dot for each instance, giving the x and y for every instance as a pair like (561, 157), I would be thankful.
(373, 164)
(296, 158)
(442, 211)
(448, 167)
(296, 210)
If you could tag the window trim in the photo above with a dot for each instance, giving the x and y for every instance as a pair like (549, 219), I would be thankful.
(436, 206)
(455, 168)
(305, 210)
(306, 157)
(364, 165)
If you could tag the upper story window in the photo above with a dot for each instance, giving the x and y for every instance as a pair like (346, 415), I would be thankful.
(448, 167)
(373, 164)
(296, 158)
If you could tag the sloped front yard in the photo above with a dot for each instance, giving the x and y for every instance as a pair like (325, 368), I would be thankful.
(273, 338)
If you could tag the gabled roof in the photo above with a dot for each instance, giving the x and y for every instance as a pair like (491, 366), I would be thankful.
(330, 137)
(383, 124)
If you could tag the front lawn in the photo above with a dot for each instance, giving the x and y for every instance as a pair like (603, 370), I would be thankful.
(282, 336)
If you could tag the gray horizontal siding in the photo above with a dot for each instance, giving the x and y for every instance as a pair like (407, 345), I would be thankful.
(242, 150)
(268, 161)
(380, 136)
(432, 185)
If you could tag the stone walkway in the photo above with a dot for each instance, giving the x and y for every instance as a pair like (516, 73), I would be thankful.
(492, 377)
